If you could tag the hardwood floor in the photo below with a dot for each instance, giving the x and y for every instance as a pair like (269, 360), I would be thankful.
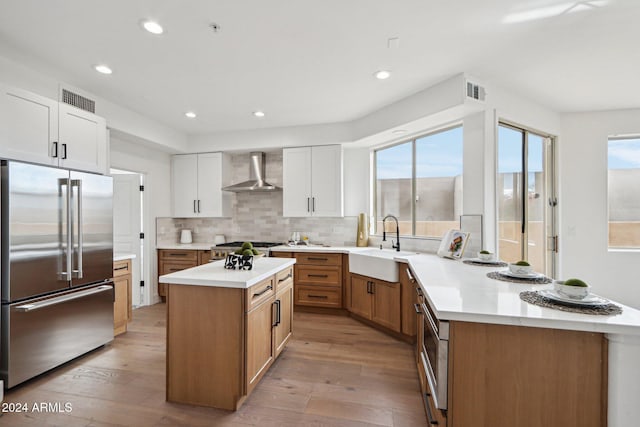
(334, 372)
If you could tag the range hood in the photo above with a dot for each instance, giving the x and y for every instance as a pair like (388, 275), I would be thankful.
(256, 176)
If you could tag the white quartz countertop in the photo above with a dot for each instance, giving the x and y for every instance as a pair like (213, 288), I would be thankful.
(315, 248)
(463, 292)
(123, 256)
(214, 273)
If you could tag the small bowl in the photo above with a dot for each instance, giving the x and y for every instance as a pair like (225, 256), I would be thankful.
(573, 292)
(485, 257)
(520, 269)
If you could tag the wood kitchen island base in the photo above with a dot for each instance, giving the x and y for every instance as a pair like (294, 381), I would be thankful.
(221, 340)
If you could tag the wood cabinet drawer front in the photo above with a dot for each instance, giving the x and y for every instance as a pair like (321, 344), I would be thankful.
(260, 292)
(279, 254)
(284, 277)
(310, 274)
(319, 259)
(204, 256)
(167, 267)
(318, 296)
(179, 254)
(121, 268)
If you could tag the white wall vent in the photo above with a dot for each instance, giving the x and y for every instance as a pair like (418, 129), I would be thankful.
(78, 101)
(475, 91)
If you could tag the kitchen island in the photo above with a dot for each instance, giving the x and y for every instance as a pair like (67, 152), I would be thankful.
(225, 328)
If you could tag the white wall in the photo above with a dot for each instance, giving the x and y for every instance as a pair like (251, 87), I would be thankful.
(156, 167)
(583, 205)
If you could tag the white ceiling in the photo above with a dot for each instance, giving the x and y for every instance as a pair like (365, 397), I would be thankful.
(307, 62)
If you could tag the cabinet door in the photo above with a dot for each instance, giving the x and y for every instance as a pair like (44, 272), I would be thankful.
(82, 140)
(296, 182)
(120, 304)
(408, 294)
(360, 303)
(259, 342)
(184, 185)
(284, 318)
(28, 126)
(326, 181)
(212, 201)
(386, 304)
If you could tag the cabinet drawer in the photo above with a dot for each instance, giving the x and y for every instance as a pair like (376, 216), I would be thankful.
(284, 278)
(316, 275)
(319, 259)
(179, 254)
(167, 267)
(318, 296)
(279, 254)
(121, 268)
(204, 256)
(260, 292)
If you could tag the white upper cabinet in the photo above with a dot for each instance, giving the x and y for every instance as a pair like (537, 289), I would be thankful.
(82, 141)
(197, 181)
(37, 129)
(28, 127)
(312, 181)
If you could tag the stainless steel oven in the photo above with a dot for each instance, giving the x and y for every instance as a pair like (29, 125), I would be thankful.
(433, 351)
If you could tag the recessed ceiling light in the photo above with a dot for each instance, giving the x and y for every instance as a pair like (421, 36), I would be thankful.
(382, 74)
(153, 27)
(103, 69)
(190, 114)
(258, 113)
(398, 131)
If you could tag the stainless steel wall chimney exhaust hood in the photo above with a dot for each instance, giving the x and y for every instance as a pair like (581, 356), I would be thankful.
(256, 176)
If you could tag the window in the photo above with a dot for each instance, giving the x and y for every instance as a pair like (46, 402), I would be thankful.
(624, 193)
(420, 182)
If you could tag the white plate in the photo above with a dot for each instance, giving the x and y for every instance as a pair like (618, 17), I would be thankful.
(481, 261)
(507, 273)
(590, 300)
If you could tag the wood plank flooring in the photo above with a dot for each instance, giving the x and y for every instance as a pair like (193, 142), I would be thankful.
(334, 372)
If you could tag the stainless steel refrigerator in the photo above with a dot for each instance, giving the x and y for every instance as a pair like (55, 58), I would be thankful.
(56, 267)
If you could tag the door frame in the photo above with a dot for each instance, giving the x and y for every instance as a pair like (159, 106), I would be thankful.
(550, 215)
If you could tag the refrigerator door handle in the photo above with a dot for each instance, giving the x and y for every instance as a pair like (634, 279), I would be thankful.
(64, 229)
(61, 299)
(78, 272)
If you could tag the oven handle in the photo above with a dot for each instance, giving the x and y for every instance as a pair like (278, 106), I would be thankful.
(432, 322)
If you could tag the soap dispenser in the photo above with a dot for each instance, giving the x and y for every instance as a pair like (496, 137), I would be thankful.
(362, 239)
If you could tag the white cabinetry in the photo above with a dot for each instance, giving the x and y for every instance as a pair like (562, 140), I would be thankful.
(37, 129)
(312, 181)
(197, 181)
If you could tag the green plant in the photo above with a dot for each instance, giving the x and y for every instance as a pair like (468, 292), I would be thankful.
(247, 252)
(485, 252)
(523, 263)
(255, 251)
(575, 282)
(247, 245)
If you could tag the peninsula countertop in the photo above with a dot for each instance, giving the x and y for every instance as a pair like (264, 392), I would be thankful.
(463, 292)
(214, 274)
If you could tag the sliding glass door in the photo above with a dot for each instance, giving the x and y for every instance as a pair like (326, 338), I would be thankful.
(526, 198)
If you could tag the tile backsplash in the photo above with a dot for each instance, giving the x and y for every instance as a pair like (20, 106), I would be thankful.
(258, 216)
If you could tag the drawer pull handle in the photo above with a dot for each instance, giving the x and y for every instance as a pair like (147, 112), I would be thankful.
(265, 290)
(182, 254)
(176, 269)
(417, 308)
(410, 276)
(124, 267)
(318, 296)
(288, 276)
(318, 275)
(317, 259)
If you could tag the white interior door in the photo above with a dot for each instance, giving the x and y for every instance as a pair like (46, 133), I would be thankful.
(127, 225)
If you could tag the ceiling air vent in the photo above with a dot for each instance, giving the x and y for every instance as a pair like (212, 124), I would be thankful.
(78, 101)
(475, 91)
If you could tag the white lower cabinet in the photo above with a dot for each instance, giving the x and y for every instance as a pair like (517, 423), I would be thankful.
(197, 181)
(312, 181)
